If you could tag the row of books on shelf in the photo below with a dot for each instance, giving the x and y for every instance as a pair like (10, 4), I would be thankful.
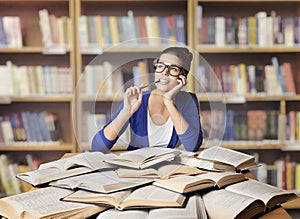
(96, 182)
(260, 29)
(56, 31)
(29, 127)
(91, 123)
(282, 174)
(240, 125)
(34, 80)
(10, 32)
(242, 79)
(104, 80)
(112, 30)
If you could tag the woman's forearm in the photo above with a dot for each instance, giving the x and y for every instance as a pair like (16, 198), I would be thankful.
(180, 124)
(112, 130)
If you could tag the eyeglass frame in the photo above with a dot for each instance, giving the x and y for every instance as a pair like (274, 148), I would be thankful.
(183, 71)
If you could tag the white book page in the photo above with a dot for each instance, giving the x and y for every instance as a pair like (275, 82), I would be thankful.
(92, 160)
(190, 211)
(224, 204)
(128, 214)
(141, 154)
(43, 202)
(224, 155)
(256, 189)
(154, 196)
(113, 199)
(106, 181)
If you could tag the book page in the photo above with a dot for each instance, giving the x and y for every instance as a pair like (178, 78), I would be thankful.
(105, 182)
(43, 202)
(92, 160)
(183, 184)
(141, 154)
(263, 191)
(153, 196)
(225, 204)
(225, 155)
(195, 162)
(163, 170)
(128, 214)
(172, 170)
(193, 209)
(145, 173)
(113, 199)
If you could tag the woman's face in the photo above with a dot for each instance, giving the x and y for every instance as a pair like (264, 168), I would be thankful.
(167, 81)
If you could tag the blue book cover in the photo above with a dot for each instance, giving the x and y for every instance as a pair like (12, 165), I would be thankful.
(3, 40)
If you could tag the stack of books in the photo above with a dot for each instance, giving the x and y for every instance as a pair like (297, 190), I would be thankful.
(145, 183)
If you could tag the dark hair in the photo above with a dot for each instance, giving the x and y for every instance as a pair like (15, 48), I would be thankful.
(183, 54)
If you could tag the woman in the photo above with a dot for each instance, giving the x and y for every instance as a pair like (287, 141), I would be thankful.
(165, 116)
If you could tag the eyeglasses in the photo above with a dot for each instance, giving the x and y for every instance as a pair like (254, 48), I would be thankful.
(173, 70)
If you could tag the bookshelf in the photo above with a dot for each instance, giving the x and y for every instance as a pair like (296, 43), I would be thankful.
(32, 53)
(226, 48)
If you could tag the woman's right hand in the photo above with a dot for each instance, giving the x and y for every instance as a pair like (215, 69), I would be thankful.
(132, 99)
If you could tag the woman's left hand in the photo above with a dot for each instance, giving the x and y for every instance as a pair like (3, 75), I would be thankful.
(171, 93)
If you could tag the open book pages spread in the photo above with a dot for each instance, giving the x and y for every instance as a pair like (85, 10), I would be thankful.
(71, 166)
(227, 159)
(194, 209)
(269, 194)
(218, 158)
(144, 157)
(103, 182)
(45, 203)
(225, 204)
(162, 170)
(244, 199)
(185, 184)
(148, 196)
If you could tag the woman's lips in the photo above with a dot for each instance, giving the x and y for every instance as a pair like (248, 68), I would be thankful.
(163, 81)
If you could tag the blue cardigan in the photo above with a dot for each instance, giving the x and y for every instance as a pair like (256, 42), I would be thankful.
(186, 103)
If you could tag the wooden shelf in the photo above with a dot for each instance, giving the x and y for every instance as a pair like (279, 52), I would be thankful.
(246, 49)
(47, 146)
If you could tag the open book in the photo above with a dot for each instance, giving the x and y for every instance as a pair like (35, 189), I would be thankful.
(225, 204)
(66, 167)
(103, 182)
(220, 158)
(244, 199)
(269, 194)
(148, 196)
(144, 157)
(163, 170)
(194, 209)
(45, 203)
(185, 184)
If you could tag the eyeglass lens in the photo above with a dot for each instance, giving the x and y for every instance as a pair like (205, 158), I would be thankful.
(173, 70)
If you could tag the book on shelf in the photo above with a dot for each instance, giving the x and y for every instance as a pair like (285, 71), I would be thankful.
(163, 170)
(186, 184)
(66, 167)
(148, 196)
(45, 203)
(101, 182)
(244, 199)
(194, 208)
(144, 157)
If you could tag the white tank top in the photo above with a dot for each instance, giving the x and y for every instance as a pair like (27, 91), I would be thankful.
(159, 135)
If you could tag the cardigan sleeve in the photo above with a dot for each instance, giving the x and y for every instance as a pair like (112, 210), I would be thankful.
(193, 136)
